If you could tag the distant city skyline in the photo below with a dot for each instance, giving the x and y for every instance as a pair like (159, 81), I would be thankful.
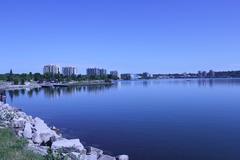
(130, 36)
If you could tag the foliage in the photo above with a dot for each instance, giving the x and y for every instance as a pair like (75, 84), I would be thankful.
(38, 77)
(52, 156)
(12, 147)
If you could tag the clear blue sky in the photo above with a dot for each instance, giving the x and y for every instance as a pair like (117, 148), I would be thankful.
(159, 36)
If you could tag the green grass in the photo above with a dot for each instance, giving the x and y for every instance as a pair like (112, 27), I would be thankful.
(13, 148)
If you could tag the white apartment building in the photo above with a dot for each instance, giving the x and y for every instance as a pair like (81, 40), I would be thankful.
(52, 69)
(69, 71)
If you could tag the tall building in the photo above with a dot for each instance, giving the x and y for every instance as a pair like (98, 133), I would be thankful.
(69, 71)
(114, 74)
(96, 72)
(103, 72)
(51, 69)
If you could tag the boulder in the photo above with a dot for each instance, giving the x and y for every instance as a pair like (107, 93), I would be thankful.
(92, 150)
(7, 115)
(106, 157)
(92, 156)
(65, 143)
(41, 126)
(36, 138)
(27, 132)
(42, 133)
(25, 116)
(122, 157)
(76, 156)
(4, 124)
(42, 150)
(45, 137)
(20, 133)
(18, 122)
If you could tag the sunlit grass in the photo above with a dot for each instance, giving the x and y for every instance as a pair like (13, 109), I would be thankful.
(13, 148)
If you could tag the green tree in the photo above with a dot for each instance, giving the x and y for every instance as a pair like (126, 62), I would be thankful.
(37, 77)
(22, 81)
(10, 76)
(11, 72)
(15, 81)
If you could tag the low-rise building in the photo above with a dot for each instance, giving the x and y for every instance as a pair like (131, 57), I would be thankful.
(126, 76)
(146, 75)
(114, 74)
(202, 74)
(211, 74)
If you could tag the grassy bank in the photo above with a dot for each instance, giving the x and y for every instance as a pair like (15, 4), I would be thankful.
(13, 148)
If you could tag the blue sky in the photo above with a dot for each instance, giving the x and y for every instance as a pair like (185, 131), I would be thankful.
(158, 36)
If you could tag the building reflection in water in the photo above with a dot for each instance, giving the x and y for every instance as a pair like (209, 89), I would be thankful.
(59, 91)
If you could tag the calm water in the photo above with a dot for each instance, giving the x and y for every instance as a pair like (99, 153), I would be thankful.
(149, 120)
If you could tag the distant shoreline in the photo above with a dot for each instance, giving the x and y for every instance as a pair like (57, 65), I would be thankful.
(49, 85)
(90, 83)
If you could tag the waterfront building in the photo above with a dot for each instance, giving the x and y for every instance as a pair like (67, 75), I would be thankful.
(146, 75)
(211, 74)
(114, 74)
(135, 76)
(94, 72)
(69, 71)
(51, 69)
(199, 74)
(202, 74)
(103, 72)
(126, 76)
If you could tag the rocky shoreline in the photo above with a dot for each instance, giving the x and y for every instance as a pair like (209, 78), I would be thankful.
(43, 139)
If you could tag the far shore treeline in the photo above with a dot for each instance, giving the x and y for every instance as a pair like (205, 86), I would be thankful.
(17, 78)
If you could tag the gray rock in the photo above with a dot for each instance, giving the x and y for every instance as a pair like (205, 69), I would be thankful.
(4, 124)
(45, 137)
(122, 157)
(76, 156)
(92, 156)
(106, 157)
(42, 150)
(20, 133)
(27, 132)
(36, 138)
(67, 143)
(92, 150)
(42, 133)
(18, 123)
(6, 114)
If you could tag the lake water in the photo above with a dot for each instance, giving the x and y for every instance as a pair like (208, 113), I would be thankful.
(148, 120)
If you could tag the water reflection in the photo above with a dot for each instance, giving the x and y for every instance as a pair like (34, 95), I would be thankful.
(157, 119)
(60, 91)
(2, 96)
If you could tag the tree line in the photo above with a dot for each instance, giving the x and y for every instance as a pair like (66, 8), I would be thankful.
(38, 77)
